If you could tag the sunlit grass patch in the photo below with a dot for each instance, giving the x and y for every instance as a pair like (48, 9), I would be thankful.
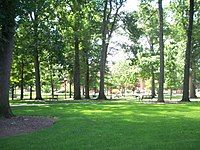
(118, 124)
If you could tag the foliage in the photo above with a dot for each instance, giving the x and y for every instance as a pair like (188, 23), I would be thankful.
(58, 22)
(123, 75)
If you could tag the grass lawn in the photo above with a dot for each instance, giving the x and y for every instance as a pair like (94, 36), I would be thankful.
(122, 125)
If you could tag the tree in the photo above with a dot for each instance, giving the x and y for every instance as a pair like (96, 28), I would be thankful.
(195, 55)
(173, 68)
(76, 29)
(123, 75)
(91, 34)
(7, 24)
(142, 25)
(161, 48)
(34, 17)
(185, 97)
(79, 26)
(22, 66)
(34, 20)
(108, 26)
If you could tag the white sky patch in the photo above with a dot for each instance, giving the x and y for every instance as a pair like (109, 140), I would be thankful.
(118, 54)
(131, 5)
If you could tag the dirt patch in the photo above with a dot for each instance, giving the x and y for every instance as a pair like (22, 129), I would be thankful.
(23, 124)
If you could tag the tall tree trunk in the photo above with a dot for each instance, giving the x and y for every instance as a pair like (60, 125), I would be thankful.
(153, 92)
(52, 85)
(22, 81)
(83, 90)
(12, 92)
(161, 48)
(70, 88)
(65, 86)
(185, 97)
(36, 60)
(31, 92)
(103, 54)
(107, 30)
(77, 92)
(170, 95)
(37, 76)
(192, 85)
(6, 46)
(102, 72)
(87, 79)
(192, 80)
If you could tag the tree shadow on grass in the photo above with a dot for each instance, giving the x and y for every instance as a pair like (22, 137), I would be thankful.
(112, 126)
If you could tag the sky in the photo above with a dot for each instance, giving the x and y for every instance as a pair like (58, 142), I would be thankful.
(119, 54)
(131, 5)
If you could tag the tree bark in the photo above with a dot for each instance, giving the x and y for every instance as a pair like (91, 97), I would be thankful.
(36, 60)
(192, 85)
(103, 54)
(153, 92)
(83, 90)
(6, 46)
(102, 72)
(52, 84)
(185, 97)
(170, 95)
(70, 87)
(106, 36)
(77, 92)
(31, 91)
(22, 81)
(161, 48)
(87, 79)
(12, 92)
(37, 76)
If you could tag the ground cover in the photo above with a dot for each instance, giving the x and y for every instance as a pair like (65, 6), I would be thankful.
(121, 124)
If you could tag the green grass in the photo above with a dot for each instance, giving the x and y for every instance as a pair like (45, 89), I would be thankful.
(120, 125)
